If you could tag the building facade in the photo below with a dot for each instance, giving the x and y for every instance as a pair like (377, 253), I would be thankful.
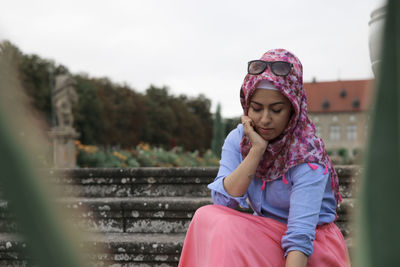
(340, 112)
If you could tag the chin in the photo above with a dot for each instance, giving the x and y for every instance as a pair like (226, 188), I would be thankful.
(268, 138)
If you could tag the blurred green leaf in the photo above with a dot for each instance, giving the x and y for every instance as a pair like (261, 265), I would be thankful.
(379, 219)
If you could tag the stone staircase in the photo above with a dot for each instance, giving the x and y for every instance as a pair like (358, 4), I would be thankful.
(138, 216)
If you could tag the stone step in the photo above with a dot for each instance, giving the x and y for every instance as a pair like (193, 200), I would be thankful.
(128, 182)
(111, 249)
(132, 215)
(121, 249)
(143, 182)
(141, 215)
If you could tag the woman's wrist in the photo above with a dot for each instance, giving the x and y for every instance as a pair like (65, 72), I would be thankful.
(258, 150)
(296, 258)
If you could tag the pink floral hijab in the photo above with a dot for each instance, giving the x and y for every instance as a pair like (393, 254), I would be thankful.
(298, 143)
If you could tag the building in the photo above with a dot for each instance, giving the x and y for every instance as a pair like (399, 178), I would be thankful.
(339, 111)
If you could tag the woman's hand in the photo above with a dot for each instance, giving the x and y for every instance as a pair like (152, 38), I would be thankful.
(237, 183)
(256, 140)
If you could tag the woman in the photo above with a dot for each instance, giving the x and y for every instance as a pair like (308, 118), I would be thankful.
(275, 161)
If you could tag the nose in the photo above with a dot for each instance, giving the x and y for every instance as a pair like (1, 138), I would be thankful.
(266, 118)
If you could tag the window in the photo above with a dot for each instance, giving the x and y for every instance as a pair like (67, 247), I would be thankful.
(334, 134)
(352, 132)
(325, 104)
(356, 103)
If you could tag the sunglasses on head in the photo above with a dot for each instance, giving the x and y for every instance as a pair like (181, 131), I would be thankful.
(279, 68)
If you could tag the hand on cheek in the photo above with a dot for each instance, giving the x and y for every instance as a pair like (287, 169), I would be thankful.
(256, 140)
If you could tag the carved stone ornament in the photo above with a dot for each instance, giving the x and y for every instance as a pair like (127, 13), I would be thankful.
(64, 135)
(64, 97)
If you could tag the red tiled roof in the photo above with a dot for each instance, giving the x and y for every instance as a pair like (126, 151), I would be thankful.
(339, 96)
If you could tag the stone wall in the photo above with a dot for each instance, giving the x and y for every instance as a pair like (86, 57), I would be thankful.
(138, 216)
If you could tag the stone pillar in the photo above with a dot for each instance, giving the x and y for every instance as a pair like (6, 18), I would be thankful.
(63, 135)
(64, 152)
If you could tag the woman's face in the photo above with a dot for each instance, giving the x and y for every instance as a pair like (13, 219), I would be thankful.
(270, 112)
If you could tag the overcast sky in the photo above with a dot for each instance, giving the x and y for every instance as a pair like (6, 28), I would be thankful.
(192, 46)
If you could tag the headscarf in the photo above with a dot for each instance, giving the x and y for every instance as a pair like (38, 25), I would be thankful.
(297, 143)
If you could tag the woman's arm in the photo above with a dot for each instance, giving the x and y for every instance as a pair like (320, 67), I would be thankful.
(238, 181)
(296, 258)
(307, 192)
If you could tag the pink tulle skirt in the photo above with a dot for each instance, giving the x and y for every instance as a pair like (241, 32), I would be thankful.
(221, 236)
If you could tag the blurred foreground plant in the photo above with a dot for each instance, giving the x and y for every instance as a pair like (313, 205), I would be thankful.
(50, 242)
(379, 216)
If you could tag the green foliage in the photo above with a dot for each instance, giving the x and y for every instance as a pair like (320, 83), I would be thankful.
(218, 132)
(231, 124)
(37, 78)
(161, 119)
(103, 158)
(344, 154)
(177, 121)
(88, 112)
(142, 156)
(22, 184)
(209, 159)
(110, 114)
(379, 199)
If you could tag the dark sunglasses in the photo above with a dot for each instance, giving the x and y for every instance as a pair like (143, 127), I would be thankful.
(279, 68)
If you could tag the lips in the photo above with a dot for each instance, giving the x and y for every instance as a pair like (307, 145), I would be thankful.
(265, 131)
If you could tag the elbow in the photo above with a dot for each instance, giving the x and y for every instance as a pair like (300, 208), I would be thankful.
(298, 241)
(220, 199)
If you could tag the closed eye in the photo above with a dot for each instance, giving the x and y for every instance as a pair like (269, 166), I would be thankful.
(256, 109)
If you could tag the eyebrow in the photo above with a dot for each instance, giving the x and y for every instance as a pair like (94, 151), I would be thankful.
(273, 104)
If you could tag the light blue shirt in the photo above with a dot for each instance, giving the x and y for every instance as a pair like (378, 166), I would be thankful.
(305, 202)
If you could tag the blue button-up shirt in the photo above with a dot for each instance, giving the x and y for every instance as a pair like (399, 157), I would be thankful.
(305, 202)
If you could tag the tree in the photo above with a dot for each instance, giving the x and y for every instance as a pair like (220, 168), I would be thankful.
(218, 132)
(109, 114)
(88, 112)
(200, 107)
(37, 79)
(161, 119)
(230, 124)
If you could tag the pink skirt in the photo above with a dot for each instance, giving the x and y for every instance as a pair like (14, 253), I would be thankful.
(221, 236)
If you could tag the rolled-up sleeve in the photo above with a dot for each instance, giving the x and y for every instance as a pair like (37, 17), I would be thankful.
(230, 160)
(308, 187)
